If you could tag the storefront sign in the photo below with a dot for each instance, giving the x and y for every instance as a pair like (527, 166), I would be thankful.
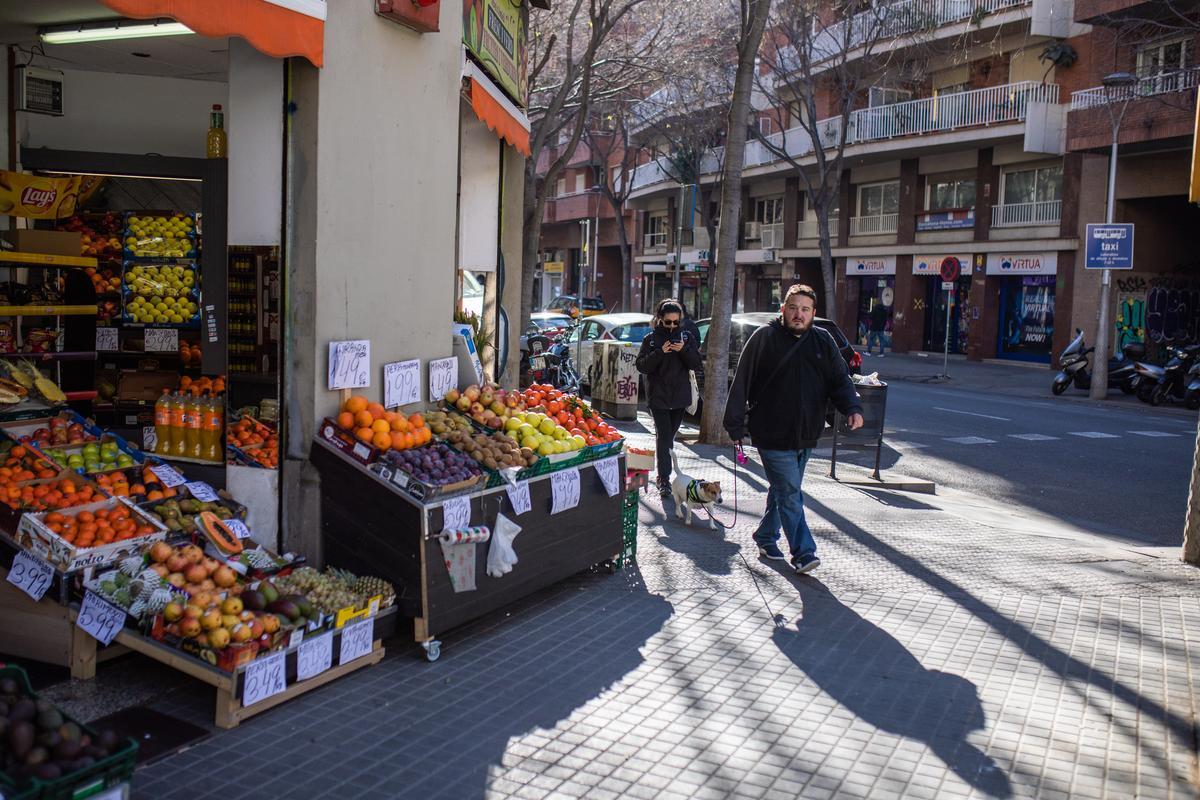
(1109, 246)
(1027, 324)
(871, 265)
(694, 259)
(932, 265)
(349, 364)
(37, 197)
(1022, 264)
(946, 220)
(494, 33)
(552, 268)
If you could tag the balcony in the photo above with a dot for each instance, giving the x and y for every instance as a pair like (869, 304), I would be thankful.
(1149, 86)
(948, 112)
(654, 242)
(1016, 215)
(810, 229)
(909, 16)
(870, 226)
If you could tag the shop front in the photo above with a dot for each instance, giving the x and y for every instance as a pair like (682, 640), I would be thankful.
(935, 299)
(872, 279)
(658, 283)
(1027, 295)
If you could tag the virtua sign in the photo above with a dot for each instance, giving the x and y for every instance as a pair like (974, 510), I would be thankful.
(1022, 264)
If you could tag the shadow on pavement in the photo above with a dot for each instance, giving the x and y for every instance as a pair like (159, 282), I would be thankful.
(870, 673)
(708, 549)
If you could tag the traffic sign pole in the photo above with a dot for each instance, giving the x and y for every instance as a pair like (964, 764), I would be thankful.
(949, 270)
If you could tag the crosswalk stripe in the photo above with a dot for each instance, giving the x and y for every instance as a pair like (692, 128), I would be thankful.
(970, 440)
(1094, 435)
(1034, 437)
(1153, 433)
(908, 445)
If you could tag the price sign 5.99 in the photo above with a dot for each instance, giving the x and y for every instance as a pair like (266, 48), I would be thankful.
(100, 618)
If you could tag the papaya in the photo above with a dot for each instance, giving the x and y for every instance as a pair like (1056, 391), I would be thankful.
(219, 533)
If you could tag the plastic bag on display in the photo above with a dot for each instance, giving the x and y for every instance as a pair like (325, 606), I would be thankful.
(501, 556)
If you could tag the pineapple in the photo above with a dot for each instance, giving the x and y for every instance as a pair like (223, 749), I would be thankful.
(48, 388)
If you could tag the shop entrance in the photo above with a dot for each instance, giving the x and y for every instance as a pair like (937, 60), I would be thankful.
(1026, 317)
(935, 315)
(873, 291)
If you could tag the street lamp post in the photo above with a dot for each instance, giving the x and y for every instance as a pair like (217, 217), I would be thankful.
(1118, 85)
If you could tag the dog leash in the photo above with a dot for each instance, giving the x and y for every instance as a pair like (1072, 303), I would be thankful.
(739, 457)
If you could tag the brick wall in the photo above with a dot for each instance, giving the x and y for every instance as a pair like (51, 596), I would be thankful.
(1146, 120)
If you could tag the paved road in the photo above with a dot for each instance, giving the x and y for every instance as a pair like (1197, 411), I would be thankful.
(1121, 472)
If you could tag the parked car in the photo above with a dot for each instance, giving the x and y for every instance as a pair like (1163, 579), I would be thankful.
(628, 327)
(549, 323)
(569, 304)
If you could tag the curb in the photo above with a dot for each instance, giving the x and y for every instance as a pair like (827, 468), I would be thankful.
(863, 478)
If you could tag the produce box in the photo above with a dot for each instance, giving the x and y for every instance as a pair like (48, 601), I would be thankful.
(347, 443)
(144, 388)
(118, 448)
(638, 458)
(393, 468)
(33, 535)
(112, 765)
(49, 243)
(160, 235)
(10, 515)
(228, 658)
(178, 514)
(53, 431)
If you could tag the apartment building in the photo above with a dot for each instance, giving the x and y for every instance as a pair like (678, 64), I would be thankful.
(972, 145)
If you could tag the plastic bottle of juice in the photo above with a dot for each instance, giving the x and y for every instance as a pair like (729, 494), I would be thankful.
(194, 421)
(178, 425)
(162, 423)
(215, 143)
(210, 431)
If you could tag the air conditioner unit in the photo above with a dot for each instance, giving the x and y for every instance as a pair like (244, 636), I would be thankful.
(753, 231)
(770, 237)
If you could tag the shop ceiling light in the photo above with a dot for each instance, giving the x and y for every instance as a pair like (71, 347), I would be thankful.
(107, 32)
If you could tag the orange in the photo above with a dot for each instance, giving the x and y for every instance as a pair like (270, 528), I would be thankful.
(363, 419)
(416, 420)
(344, 420)
(366, 434)
(410, 440)
(382, 440)
(380, 426)
(356, 403)
(397, 440)
(376, 411)
(399, 423)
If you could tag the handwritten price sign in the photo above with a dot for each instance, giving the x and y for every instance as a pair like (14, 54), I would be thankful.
(31, 575)
(564, 490)
(161, 340)
(456, 513)
(100, 618)
(314, 656)
(357, 640)
(168, 475)
(443, 376)
(238, 527)
(401, 383)
(202, 491)
(607, 470)
(106, 340)
(350, 364)
(518, 495)
(265, 677)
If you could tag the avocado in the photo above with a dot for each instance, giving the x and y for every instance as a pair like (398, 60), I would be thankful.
(20, 738)
(49, 719)
(253, 600)
(269, 592)
(70, 731)
(285, 607)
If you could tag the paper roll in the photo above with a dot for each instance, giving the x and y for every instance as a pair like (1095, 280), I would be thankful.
(477, 533)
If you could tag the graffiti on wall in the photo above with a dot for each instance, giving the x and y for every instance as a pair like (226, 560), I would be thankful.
(1163, 309)
(1131, 319)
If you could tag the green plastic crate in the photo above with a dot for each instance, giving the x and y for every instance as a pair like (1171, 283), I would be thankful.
(629, 528)
(112, 771)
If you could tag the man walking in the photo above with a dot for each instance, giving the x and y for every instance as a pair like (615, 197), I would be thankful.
(879, 318)
(786, 375)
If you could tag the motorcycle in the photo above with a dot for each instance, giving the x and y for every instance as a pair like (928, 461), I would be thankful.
(533, 359)
(1192, 398)
(560, 369)
(1173, 382)
(1073, 367)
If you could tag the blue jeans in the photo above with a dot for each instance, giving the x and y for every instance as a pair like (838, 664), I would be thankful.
(785, 501)
(872, 338)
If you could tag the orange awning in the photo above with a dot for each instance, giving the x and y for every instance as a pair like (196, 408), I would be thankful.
(496, 111)
(275, 28)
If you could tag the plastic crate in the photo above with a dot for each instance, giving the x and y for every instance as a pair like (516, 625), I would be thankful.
(629, 528)
(112, 771)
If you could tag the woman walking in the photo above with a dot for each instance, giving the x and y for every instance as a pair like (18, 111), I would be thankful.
(668, 354)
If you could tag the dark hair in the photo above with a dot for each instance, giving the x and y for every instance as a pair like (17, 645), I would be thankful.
(668, 305)
(801, 289)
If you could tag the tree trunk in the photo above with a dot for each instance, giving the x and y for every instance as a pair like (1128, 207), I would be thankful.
(1191, 529)
(531, 235)
(716, 369)
(827, 274)
(626, 257)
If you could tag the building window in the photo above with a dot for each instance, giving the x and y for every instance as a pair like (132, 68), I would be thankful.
(768, 210)
(656, 230)
(947, 193)
(1158, 63)
(580, 182)
(766, 126)
(883, 96)
(1040, 185)
(877, 199)
(561, 187)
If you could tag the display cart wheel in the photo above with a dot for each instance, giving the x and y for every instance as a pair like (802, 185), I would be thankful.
(433, 649)
(608, 566)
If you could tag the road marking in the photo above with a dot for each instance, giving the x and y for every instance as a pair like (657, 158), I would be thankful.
(907, 445)
(1153, 433)
(971, 413)
(1034, 437)
(1094, 435)
(971, 440)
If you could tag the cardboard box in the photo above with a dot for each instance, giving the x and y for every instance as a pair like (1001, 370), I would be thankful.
(50, 243)
(144, 387)
(347, 444)
(33, 535)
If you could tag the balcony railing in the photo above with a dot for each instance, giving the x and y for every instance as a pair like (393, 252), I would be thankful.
(652, 241)
(1015, 215)
(948, 112)
(888, 20)
(810, 229)
(882, 223)
(1151, 85)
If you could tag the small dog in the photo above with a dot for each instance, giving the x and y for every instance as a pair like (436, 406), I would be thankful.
(691, 493)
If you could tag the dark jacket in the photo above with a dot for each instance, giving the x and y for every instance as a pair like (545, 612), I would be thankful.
(668, 386)
(879, 318)
(789, 414)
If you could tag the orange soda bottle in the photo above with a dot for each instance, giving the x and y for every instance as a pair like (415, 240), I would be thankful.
(210, 429)
(162, 424)
(178, 425)
(193, 421)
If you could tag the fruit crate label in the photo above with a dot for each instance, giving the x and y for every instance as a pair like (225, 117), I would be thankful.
(564, 490)
(238, 527)
(31, 575)
(168, 475)
(100, 618)
(161, 340)
(350, 364)
(265, 677)
(106, 340)
(443, 376)
(401, 383)
(201, 491)
(606, 468)
(314, 656)
(357, 640)
(519, 497)
(456, 513)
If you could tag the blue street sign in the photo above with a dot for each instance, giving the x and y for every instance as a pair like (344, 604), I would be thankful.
(1109, 246)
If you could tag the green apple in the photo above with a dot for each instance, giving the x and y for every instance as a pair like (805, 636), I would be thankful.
(547, 426)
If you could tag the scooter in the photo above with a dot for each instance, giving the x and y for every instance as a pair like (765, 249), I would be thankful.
(1192, 398)
(1122, 372)
(1173, 383)
(533, 359)
(560, 369)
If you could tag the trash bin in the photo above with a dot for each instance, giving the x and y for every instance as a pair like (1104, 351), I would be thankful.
(873, 400)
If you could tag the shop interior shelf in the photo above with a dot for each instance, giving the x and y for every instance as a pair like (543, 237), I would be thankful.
(44, 260)
(47, 311)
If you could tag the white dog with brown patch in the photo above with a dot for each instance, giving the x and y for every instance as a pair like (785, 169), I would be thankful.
(691, 493)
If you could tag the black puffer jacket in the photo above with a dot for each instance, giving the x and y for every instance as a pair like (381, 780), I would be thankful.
(668, 386)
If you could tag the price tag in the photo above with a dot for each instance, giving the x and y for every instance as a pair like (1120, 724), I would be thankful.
(238, 527)
(315, 655)
(296, 637)
(168, 475)
(265, 677)
(202, 491)
(607, 470)
(519, 497)
(31, 575)
(149, 439)
(443, 376)
(357, 640)
(456, 513)
(401, 383)
(350, 364)
(564, 490)
(100, 618)
(106, 340)
(161, 340)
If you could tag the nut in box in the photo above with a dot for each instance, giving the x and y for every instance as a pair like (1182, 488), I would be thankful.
(89, 535)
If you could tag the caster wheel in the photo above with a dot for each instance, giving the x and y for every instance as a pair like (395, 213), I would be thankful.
(433, 649)
(608, 567)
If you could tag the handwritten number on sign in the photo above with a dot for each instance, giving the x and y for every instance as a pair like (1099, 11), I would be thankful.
(607, 470)
(31, 575)
(99, 618)
(106, 340)
(443, 376)
(202, 491)
(314, 656)
(238, 527)
(161, 340)
(401, 383)
(265, 677)
(350, 364)
(456, 513)
(168, 475)
(518, 495)
(357, 640)
(564, 490)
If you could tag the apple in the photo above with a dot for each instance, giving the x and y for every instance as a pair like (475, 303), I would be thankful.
(211, 619)
(497, 408)
(476, 408)
(195, 574)
(230, 621)
(160, 570)
(472, 393)
(190, 627)
(452, 396)
(218, 638)
(242, 633)
(232, 605)
(224, 577)
(177, 580)
(210, 565)
(270, 622)
(177, 563)
(172, 612)
(193, 554)
(463, 403)
(160, 552)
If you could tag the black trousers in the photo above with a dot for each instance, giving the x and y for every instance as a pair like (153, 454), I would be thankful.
(666, 425)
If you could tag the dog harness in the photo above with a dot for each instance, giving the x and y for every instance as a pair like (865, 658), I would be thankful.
(693, 493)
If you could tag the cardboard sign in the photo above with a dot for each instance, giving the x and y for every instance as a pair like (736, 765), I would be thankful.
(456, 513)
(350, 364)
(107, 340)
(161, 340)
(607, 470)
(167, 474)
(443, 376)
(265, 677)
(357, 640)
(100, 618)
(564, 490)
(314, 656)
(238, 527)
(518, 495)
(401, 383)
(201, 491)
(31, 575)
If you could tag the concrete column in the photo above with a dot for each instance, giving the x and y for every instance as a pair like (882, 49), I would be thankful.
(985, 294)
(512, 185)
(848, 209)
(791, 211)
(847, 299)
(909, 202)
(1064, 297)
(908, 324)
(987, 190)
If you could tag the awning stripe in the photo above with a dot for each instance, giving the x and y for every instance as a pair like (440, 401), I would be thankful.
(495, 110)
